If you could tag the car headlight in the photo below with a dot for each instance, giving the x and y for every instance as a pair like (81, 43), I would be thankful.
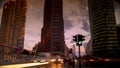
(42, 60)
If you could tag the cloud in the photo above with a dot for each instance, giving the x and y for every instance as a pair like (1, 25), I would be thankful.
(36, 8)
(86, 26)
(74, 12)
(2, 2)
(72, 41)
(82, 49)
(34, 23)
(85, 44)
(77, 13)
(71, 7)
(31, 38)
(68, 23)
(117, 11)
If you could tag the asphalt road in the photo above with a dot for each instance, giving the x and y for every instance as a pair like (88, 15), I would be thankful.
(56, 65)
(62, 65)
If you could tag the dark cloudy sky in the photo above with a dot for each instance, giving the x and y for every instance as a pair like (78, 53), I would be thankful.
(76, 21)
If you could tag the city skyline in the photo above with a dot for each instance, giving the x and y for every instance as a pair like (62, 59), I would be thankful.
(75, 21)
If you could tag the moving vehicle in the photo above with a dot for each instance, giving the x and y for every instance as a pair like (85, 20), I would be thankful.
(91, 60)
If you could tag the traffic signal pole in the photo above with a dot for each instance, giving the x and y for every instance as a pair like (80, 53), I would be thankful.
(79, 39)
(79, 62)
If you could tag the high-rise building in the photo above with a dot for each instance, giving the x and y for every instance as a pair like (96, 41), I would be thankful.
(118, 31)
(52, 36)
(12, 28)
(66, 51)
(88, 48)
(103, 28)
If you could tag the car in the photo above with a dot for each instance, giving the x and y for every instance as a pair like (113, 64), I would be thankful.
(91, 60)
(58, 59)
(41, 60)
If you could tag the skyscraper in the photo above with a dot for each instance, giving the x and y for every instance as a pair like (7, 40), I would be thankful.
(118, 31)
(52, 36)
(88, 48)
(12, 28)
(103, 28)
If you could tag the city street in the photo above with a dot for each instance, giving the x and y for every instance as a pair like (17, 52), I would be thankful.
(59, 33)
(52, 65)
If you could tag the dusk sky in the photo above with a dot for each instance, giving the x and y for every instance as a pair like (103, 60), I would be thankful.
(76, 21)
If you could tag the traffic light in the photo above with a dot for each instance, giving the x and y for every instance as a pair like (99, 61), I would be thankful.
(79, 43)
(75, 38)
(83, 38)
(80, 39)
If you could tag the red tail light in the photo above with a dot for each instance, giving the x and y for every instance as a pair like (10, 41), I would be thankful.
(106, 59)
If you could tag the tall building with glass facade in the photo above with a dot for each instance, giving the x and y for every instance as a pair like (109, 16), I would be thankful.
(103, 28)
(52, 36)
(12, 28)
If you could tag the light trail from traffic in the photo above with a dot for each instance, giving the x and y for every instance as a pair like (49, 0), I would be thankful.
(23, 65)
